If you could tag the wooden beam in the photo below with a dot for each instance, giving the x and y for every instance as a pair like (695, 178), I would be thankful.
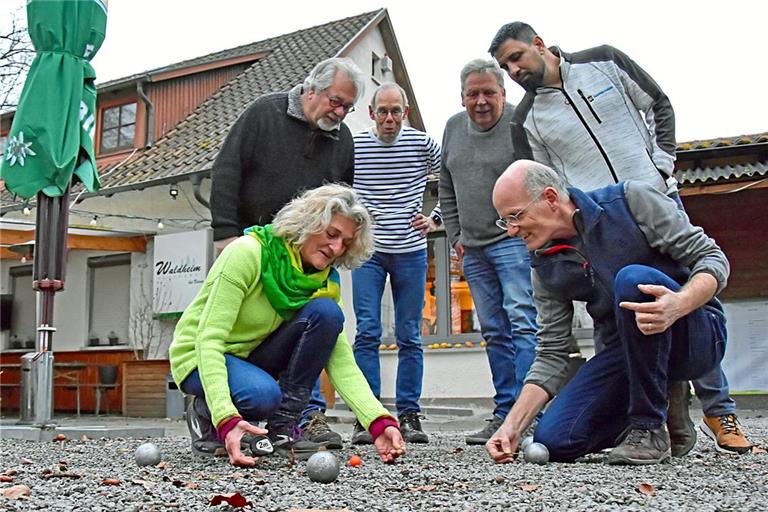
(723, 188)
(78, 242)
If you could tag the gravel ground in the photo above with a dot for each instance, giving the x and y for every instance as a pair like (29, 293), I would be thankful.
(445, 475)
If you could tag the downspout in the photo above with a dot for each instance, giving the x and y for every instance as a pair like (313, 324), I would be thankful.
(197, 180)
(150, 139)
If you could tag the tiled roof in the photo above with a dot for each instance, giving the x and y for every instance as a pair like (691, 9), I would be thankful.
(192, 146)
(720, 142)
(699, 151)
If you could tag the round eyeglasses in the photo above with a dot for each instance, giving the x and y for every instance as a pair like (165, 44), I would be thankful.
(513, 220)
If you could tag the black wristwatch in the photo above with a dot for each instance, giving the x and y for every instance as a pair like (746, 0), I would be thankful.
(437, 219)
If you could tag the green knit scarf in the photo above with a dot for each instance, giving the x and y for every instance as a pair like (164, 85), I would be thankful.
(286, 285)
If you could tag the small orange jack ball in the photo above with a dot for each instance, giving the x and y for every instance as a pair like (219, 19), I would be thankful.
(355, 461)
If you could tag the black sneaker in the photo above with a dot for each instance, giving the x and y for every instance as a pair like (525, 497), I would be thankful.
(484, 435)
(288, 441)
(205, 441)
(642, 447)
(318, 431)
(682, 432)
(410, 428)
(360, 435)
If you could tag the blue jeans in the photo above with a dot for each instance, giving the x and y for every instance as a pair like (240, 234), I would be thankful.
(711, 388)
(275, 381)
(408, 276)
(625, 385)
(499, 277)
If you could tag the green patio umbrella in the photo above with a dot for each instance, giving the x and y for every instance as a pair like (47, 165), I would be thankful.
(51, 139)
(52, 132)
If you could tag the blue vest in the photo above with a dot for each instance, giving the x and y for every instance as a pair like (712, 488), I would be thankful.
(584, 267)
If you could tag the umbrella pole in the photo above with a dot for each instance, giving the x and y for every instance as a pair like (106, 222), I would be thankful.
(48, 278)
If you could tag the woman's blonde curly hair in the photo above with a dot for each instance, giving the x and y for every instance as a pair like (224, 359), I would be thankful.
(311, 212)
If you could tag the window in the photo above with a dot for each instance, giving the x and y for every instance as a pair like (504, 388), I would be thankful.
(110, 281)
(118, 127)
(376, 73)
(23, 326)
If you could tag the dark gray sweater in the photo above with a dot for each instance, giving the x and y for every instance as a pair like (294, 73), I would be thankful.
(472, 161)
(270, 155)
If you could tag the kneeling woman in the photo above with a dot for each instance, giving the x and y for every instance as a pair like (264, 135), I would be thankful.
(265, 323)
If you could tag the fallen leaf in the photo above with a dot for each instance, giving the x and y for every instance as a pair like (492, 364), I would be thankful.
(84, 438)
(758, 449)
(237, 474)
(10, 472)
(60, 437)
(581, 489)
(259, 482)
(111, 481)
(646, 489)
(234, 499)
(61, 475)
(191, 485)
(6, 478)
(529, 487)
(177, 483)
(458, 449)
(423, 488)
(15, 492)
(145, 483)
(163, 465)
(499, 479)
(318, 510)
(25, 460)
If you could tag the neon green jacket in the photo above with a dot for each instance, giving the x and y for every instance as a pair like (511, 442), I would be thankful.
(231, 315)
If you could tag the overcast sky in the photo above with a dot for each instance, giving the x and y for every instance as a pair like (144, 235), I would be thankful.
(709, 57)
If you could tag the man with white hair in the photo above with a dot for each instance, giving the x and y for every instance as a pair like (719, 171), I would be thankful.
(285, 142)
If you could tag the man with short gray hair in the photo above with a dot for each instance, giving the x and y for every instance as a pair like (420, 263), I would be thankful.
(283, 143)
(392, 162)
(476, 150)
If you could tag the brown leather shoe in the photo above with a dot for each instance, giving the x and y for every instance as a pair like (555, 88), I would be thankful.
(726, 432)
(682, 432)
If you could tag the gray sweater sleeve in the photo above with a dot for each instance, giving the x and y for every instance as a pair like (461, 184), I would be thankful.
(668, 229)
(555, 317)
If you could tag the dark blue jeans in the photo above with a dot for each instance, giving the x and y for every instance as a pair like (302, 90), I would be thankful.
(407, 275)
(625, 385)
(275, 381)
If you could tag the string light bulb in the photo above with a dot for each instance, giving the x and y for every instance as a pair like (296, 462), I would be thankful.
(94, 221)
(26, 211)
(173, 191)
(160, 224)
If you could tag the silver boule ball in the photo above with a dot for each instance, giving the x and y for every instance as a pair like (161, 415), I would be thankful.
(527, 440)
(536, 453)
(323, 467)
(148, 454)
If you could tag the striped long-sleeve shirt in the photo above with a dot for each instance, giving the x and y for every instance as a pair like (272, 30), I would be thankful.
(390, 179)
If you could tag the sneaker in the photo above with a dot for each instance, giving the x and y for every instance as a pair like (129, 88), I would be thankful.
(682, 432)
(642, 447)
(484, 435)
(360, 435)
(289, 442)
(318, 431)
(726, 432)
(410, 428)
(205, 440)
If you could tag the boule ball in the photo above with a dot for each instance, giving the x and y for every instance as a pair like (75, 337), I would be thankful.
(147, 454)
(527, 440)
(536, 453)
(323, 467)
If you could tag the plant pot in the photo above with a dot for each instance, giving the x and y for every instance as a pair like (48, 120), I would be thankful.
(29, 344)
(94, 342)
(114, 340)
(16, 344)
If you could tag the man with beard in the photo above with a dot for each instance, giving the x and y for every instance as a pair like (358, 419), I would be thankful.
(598, 118)
(285, 142)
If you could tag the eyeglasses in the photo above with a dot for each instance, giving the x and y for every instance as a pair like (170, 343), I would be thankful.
(383, 113)
(336, 103)
(513, 220)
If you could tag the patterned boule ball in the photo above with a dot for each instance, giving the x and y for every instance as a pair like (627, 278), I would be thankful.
(323, 467)
(536, 453)
(148, 454)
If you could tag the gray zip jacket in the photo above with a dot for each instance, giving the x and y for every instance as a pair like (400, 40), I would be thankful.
(609, 122)
(666, 229)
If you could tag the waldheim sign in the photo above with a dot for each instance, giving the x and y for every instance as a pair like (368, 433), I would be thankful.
(180, 265)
